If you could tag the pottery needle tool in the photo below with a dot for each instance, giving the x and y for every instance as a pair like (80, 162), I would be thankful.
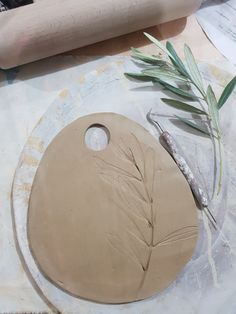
(168, 142)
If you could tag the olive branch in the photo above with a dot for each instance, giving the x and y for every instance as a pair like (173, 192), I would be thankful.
(186, 82)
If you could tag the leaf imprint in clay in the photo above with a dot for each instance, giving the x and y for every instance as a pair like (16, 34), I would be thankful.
(115, 225)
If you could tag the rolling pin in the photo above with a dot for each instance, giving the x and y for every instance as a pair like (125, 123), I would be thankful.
(47, 28)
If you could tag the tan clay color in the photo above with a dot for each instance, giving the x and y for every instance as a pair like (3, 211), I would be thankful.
(46, 28)
(115, 225)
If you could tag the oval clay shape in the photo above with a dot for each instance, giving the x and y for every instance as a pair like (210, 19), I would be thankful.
(115, 225)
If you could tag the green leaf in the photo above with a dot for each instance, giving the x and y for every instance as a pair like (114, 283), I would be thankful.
(177, 91)
(177, 62)
(163, 74)
(213, 107)
(194, 126)
(227, 92)
(158, 44)
(193, 68)
(139, 76)
(146, 58)
(182, 106)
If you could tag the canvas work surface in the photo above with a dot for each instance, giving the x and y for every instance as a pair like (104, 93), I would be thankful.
(96, 92)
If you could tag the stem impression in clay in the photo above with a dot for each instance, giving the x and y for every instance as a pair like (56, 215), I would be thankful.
(144, 193)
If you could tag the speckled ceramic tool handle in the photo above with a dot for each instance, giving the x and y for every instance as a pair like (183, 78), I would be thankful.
(169, 143)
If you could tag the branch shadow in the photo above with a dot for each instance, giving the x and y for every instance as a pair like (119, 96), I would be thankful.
(179, 124)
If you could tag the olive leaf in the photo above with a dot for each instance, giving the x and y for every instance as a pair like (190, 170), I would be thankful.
(177, 91)
(193, 68)
(227, 92)
(177, 62)
(146, 58)
(158, 44)
(194, 125)
(213, 107)
(182, 106)
(139, 76)
(163, 74)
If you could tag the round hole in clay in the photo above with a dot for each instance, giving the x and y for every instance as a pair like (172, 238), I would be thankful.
(97, 137)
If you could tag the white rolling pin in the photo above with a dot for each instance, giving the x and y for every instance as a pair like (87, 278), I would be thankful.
(46, 28)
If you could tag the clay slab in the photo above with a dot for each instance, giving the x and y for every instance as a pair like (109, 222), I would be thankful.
(137, 231)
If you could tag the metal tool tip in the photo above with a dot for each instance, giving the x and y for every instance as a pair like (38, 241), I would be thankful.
(148, 115)
(153, 122)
